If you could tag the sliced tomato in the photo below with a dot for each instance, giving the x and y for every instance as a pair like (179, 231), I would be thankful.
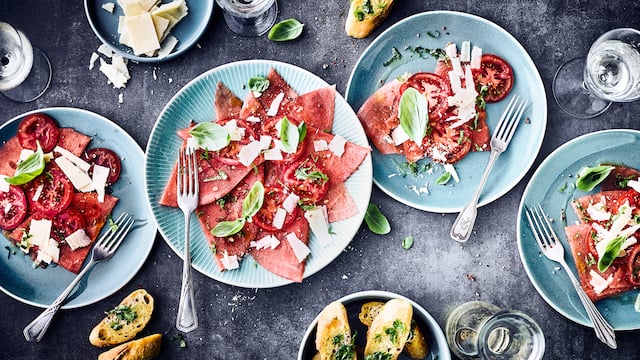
(435, 88)
(36, 128)
(496, 74)
(13, 208)
(633, 266)
(66, 223)
(107, 158)
(449, 145)
(273, 199)
(308, 180)
(56, 193)
(269, 128)
(229, 154)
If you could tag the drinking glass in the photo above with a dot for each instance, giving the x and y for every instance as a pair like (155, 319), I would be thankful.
(480, 330)
(586, 87)
(249, 17)
(25, 71)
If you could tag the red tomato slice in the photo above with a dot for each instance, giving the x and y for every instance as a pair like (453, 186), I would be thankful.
(633, 266)
(435, 88)
(229, 154)
(273, 199)
(496, 74)
(449, 145)
(269, 128)
(306, 179)
(56, 194)
(107, 158)
(66, 223)
(40, 128)
(13, 208)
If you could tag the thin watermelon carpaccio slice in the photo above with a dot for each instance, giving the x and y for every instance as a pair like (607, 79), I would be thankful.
(379, 116)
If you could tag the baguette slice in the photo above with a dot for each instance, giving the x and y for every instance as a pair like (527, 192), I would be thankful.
(141, 349)
(333, 334)
(365, 15)
(389, 330)
(113, 330)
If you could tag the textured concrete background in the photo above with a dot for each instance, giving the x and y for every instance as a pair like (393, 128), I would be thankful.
(241, 323)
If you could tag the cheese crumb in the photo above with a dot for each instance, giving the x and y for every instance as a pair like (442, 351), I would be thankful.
(109, 7)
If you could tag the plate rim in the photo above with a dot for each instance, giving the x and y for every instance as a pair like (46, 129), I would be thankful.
(270, 63)
(443, 354)
(484, 200)
(520, 224)
(200, 30)
(147, 252)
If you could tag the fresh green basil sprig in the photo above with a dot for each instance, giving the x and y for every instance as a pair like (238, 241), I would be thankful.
(250, 206)
(29, 168)
(590, 177)
(210, 136)
(291, 135)
(413, 113)
(286, 30)
(611, 253)
(376, 221)
(258, 84)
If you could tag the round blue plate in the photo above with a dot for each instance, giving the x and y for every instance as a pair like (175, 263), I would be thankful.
(552, 186)
(369, 74)
(187, 31)
(195, 102)
(438, 348)
(40, 287)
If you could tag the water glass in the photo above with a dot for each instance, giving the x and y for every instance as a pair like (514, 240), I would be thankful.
(249, 17)
(480, 330)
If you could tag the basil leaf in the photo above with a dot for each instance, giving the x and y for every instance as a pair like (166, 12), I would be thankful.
(302, 132)
(258, 84)
(591, 176)
(286, 30)
(414, 113)
(289, 136)
(253, 202)
(228, 228)
(210, 136)
(610, 253)
(28, 169)
(376, 221)
(444, 178)
(407, 242)
(303, 173)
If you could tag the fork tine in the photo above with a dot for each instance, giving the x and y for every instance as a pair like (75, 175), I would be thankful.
(109, 234)
(121, 232)
(180, 171)
(515, 119)
(194, 172)
(551, 235)
(502, 122)
(534, 227)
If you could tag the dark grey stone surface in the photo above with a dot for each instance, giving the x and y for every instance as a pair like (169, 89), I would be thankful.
(241, 323)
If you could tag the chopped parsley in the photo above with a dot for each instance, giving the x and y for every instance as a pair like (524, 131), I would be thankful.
(412, 168)
(123, 313)
(434, 34)
(303, 173)
(220, 176)
(180, 339)
(395, 56)
(425, 53)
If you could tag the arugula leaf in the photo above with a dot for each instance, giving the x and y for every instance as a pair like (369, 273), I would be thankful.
(228, 228)
(286, 30)
(259, 84)
(590, 177)
(28, 169)
(414, 113)
(210, 136)
(253, 202)
(289, 136)
(611, 253)
(376, 221)
(303, 173)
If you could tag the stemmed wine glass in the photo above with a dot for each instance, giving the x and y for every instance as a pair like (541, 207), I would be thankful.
(586, 87)
(25, 71)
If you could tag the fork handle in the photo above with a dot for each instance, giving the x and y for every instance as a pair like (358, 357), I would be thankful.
(38, 327)
(187, 319)
(604, 331)
(463, 225)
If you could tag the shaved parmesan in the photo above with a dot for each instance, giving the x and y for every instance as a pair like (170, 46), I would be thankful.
(36, 195)
(43, 257)
(4, 186)
(92, 61)
(451, 50)
(265, 140)
(279, 217)
(73, 158)
(476, 57)
(452, 170)
(249, 152)
(99, 180)
(319, 224)
(454, 79)
(229, 262)
(275, 105)
(598, 211)
(337, 145)
(235, 133)
(105, 50)
(78, 239)
(465, 51)
(300, 249)
(598, 282)
(114, 76)
(273, 154)
(268, 241)
(108, 7)
(320, 145)
(399, 136)
(456, 67)
(40, 232)
(79, 178)
(253, 119)
(290, 202)
(634, 184)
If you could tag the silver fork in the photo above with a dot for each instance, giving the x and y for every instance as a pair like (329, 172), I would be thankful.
(462, 226)
(188, 194)
(103, 249)
(553, 249)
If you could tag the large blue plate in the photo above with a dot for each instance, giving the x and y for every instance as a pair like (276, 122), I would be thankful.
(187, 31)
(195, 102)
(547, 188)
(369, 74)
(40, 287)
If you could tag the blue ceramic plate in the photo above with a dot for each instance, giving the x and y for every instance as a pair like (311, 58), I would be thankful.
(369, 74)
(187, 31)
(438, 348)
(40, 287)
(552, 187)
(195, 102)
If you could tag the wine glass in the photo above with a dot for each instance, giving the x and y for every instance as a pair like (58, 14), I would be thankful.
(249, 17)
(25, 71)
(586, 87)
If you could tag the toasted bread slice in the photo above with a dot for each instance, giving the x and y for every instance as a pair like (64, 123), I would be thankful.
(365, 15)
(389, 330)
(333, 334)
(141, 349)
(125, 321)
